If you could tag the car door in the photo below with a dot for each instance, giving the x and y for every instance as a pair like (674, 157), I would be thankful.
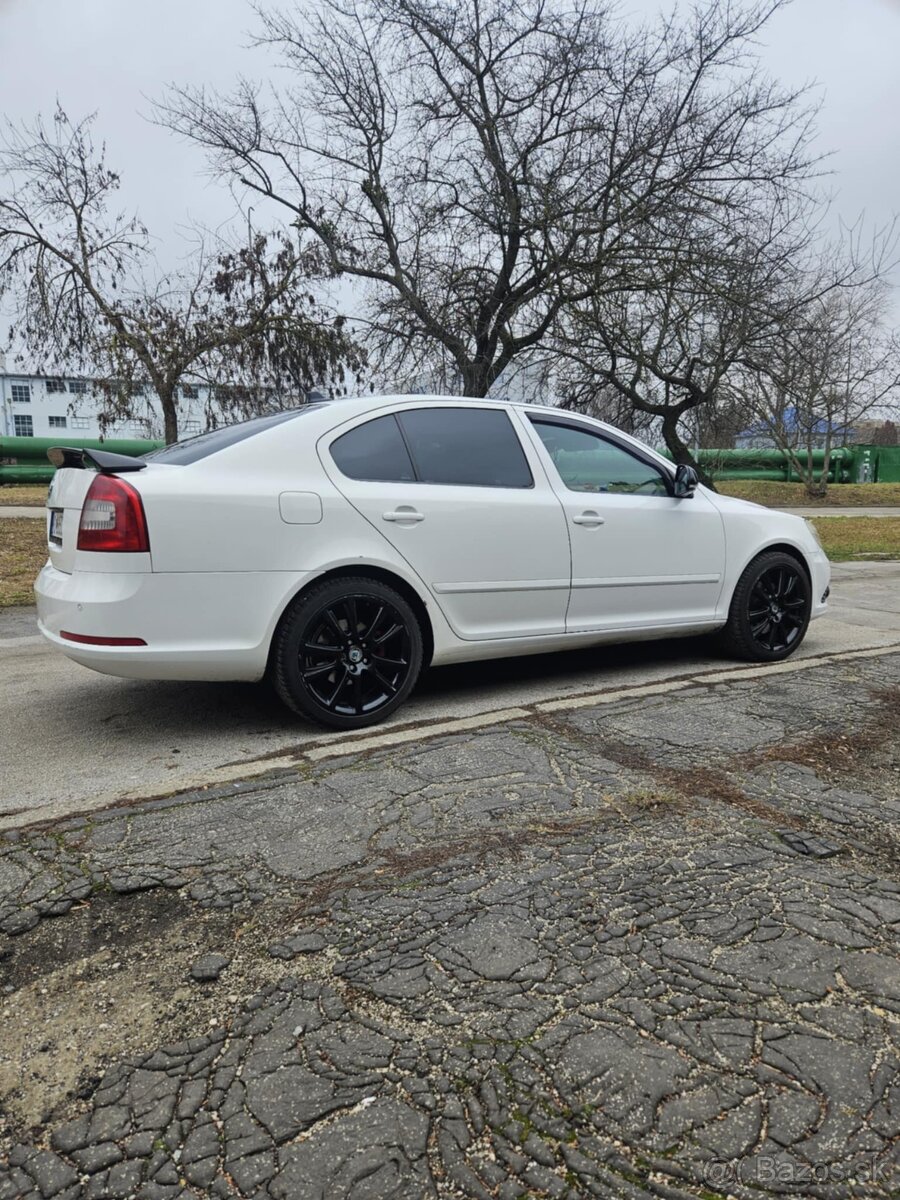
(466, 503)
(641, 558)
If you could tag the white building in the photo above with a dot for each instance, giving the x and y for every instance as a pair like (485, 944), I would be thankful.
(51, 406)
(47, 405)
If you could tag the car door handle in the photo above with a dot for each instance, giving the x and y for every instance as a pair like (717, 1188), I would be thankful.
(403, 514)
(588, 518)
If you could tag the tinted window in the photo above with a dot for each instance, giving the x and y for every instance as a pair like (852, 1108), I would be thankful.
(193, 449)
(375, 450)
(587, 462)
(478, 447)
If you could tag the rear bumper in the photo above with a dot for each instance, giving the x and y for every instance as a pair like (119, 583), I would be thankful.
(203, 626)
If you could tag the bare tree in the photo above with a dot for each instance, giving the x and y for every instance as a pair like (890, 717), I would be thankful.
(831, 364)
(89, 298)
(702, 300)
(886, 434)
(725, 289)
(482, 167)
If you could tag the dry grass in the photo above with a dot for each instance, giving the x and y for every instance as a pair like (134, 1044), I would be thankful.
(23, 548)
(847, 538)
(24, 494)
(23, 551)
(794, 495)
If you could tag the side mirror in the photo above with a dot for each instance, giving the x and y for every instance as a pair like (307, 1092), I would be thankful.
(686, 480)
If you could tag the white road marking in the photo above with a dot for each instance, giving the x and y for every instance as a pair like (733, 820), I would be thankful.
(414, 733)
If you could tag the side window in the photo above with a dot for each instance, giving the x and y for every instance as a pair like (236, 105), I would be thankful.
(375, 450)
(477, 447)
(587, 462)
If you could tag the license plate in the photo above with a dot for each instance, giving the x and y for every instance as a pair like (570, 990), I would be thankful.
(56, 526)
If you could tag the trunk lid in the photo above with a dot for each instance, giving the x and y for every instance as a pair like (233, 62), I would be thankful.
(65, 500)
(76, 469)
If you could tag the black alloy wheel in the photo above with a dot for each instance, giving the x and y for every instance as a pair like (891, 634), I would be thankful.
(770, 609)
(347, 653)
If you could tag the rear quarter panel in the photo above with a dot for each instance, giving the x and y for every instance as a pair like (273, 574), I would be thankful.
(223, 515)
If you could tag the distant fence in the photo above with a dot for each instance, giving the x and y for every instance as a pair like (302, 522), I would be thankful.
(24, 459)
(885, 463)
(851, 464)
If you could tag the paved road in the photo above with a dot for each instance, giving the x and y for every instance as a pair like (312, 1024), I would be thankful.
(71, 740)
(641, 949)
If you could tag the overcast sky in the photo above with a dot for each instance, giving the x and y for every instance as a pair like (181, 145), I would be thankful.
(115, 56)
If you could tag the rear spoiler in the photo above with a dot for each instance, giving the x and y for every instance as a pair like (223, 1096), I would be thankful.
(104, 460)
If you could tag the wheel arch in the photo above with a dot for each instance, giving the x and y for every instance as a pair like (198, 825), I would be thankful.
(736, 634)
(364, 571)
(734, 575)
(784, 548)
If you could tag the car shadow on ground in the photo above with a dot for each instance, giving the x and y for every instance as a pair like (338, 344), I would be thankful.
(575, 670)
(189, 709)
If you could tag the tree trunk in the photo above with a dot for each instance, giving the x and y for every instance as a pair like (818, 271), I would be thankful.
(475, 379)
(680, 451)
(815, 488)
(170, 413)
(826, 466)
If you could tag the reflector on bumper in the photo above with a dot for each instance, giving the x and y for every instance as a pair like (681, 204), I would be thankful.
(89, 640)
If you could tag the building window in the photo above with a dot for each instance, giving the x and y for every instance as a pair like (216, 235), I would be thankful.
(190, 391)
(55, 385)
(23, 425)
(190, 427)
(78, 387)
(21, 393)
(57, 422)
(81, 423)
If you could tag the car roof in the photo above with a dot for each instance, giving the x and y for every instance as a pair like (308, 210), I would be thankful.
(328, 416)
(346, 408)
(351, 405)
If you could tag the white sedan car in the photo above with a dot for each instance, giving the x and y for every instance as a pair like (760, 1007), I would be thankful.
(341, 547)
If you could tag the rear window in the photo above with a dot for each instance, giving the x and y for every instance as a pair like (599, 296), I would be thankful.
(474, 447)
(374, 451)
(191, 450)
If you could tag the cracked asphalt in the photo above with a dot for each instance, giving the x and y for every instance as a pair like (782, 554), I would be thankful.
(646, 947)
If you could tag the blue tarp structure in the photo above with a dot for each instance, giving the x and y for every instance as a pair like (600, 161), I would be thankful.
(759, 435)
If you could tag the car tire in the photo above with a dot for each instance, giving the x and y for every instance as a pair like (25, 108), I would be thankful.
(347, 653)
(770, 609)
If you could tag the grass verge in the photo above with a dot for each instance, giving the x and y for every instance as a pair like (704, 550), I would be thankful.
(25, 494)
(23, 551)
(849, 538)
(23, 548)
(794, 495)
(765, 491)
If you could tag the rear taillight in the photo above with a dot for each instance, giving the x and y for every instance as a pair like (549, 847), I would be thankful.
(113, 518)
